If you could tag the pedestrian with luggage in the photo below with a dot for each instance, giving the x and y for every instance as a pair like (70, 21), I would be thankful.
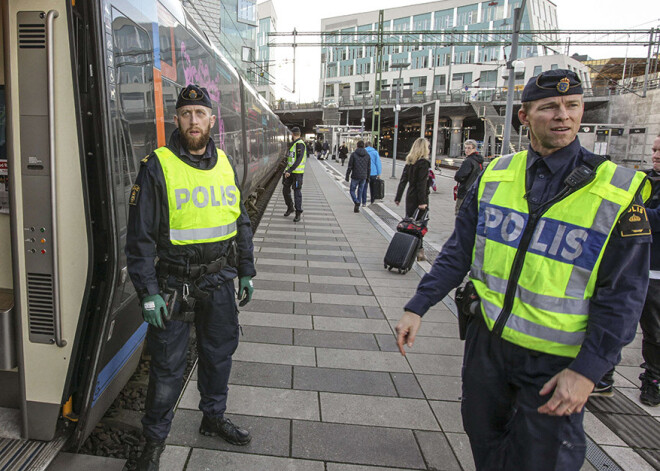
(416, 175)
(343, 153)
(556, 241)
(176, 243)
(318, 149)
(376, 168)
(359, 169)
(326, 150)
(469, 171)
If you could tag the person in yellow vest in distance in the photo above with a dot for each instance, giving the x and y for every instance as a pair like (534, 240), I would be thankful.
(293, 175)
(557, 243)
(187, 212)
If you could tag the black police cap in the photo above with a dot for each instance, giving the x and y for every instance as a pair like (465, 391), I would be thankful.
(193, 95)
(558, 82)
(295, 130)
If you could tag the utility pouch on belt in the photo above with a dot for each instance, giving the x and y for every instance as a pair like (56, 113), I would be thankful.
(467, 302)
(170, 296)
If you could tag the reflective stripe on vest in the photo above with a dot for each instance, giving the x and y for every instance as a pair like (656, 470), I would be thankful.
(203, 204)
(291, 157)
(551, 298)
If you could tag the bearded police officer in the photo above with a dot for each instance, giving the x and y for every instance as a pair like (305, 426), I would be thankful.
(293, 175)
(556, 241)
(187, 210)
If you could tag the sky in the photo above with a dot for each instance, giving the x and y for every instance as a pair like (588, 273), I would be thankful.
(571, 14)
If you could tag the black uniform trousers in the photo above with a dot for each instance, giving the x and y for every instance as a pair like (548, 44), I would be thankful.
(650, 324)
(216, 324)
(294, 181)
(501, 384)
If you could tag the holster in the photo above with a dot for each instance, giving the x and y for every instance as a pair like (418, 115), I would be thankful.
(467, 302)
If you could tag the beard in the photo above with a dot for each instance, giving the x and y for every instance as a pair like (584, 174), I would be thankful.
(194, 144)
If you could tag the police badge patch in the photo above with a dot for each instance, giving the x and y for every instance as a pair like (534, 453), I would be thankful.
(135, 191)
(634, 222)
(563, 85)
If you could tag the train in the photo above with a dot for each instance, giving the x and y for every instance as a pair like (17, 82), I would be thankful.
(88, 89)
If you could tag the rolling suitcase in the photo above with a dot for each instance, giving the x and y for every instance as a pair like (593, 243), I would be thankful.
(402, 252)
(379, 189)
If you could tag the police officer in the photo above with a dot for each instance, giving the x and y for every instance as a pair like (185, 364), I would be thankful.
(557, 244)
(187, 210)
(293, 175)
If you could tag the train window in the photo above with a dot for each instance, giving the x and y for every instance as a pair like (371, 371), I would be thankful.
(166, 25)
(133, 118)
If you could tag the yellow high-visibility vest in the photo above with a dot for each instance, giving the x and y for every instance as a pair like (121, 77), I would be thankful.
(548, 303)
(291, 157)
(203, 204)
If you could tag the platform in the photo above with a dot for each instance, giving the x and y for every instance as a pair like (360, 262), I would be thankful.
(317, 378)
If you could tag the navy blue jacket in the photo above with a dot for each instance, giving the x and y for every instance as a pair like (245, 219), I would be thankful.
(653, 211)
(148, 227)
(622, 278)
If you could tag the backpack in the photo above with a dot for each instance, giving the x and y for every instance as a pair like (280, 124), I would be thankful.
(431, 180)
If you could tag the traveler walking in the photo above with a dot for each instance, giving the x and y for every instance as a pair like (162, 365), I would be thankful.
(200, 248)
(543, 234)
(293, 175)
(343, 153)
(416, 175)
(376, 168)
(359, 168)
(469, 171)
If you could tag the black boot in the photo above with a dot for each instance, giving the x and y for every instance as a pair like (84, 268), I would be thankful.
(356, 208)
(150, 458)
(225, 429)
(288, 212)
(297, 218)
(650, 394)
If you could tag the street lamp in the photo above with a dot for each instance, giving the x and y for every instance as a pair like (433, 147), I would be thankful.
(364, 94)
(397, 108)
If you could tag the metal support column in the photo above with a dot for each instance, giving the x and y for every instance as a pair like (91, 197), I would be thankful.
(436, 120)
(517, 18)
(375, 112)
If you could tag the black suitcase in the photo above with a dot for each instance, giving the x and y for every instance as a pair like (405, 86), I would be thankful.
(402, 252)
(379, 189)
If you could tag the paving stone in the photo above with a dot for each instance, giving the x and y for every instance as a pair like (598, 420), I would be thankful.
(361, 360)
(262, 334)
(374, 312)
(357, 273)
(445, 346)
(210, 460)
(280, 354)
(437, 451)
(260, 374)
(356, 444)
(274, 252)
(402, 282)
(627, 459)
(352, 467)
(599, 432)
(435, 364)
(443, 388)
(268, 295)
(344, 299)
(393, 277)
(270, 436)
(279, 285)
(320, 338)
(340, 324)
(174, 458)
(326, 288)
(338, 280)
(262, 275)
(461, 445)
(449, 415)
(323, 271)
(377, 411)
(275, 320)
(329, 310)
(261, 305)
(274, 268)
(343, 381)
(269, 243)
(322, 258)
(269, 259)
(68, 461)
(403, 292)
(341, 265)
(407, 385)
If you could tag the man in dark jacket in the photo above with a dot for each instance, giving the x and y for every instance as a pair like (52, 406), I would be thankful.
(318, 148)
(359, 165)
(326, 149)
(469, 171)
(200, 248)
(343, 153)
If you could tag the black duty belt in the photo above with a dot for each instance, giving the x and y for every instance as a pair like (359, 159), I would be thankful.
(191, 271)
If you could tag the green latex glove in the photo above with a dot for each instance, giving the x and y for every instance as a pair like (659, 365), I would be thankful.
(154, 309)
(245, 290)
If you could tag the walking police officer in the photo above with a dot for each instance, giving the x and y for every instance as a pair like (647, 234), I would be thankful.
(557, 244)
(186, 209)
(293, 175)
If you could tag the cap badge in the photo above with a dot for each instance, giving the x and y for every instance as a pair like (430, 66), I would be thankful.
(563, 85)
(192, 94)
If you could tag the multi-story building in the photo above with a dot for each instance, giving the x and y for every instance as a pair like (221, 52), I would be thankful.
(231, 25)
(348, 68)
(262, 72)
